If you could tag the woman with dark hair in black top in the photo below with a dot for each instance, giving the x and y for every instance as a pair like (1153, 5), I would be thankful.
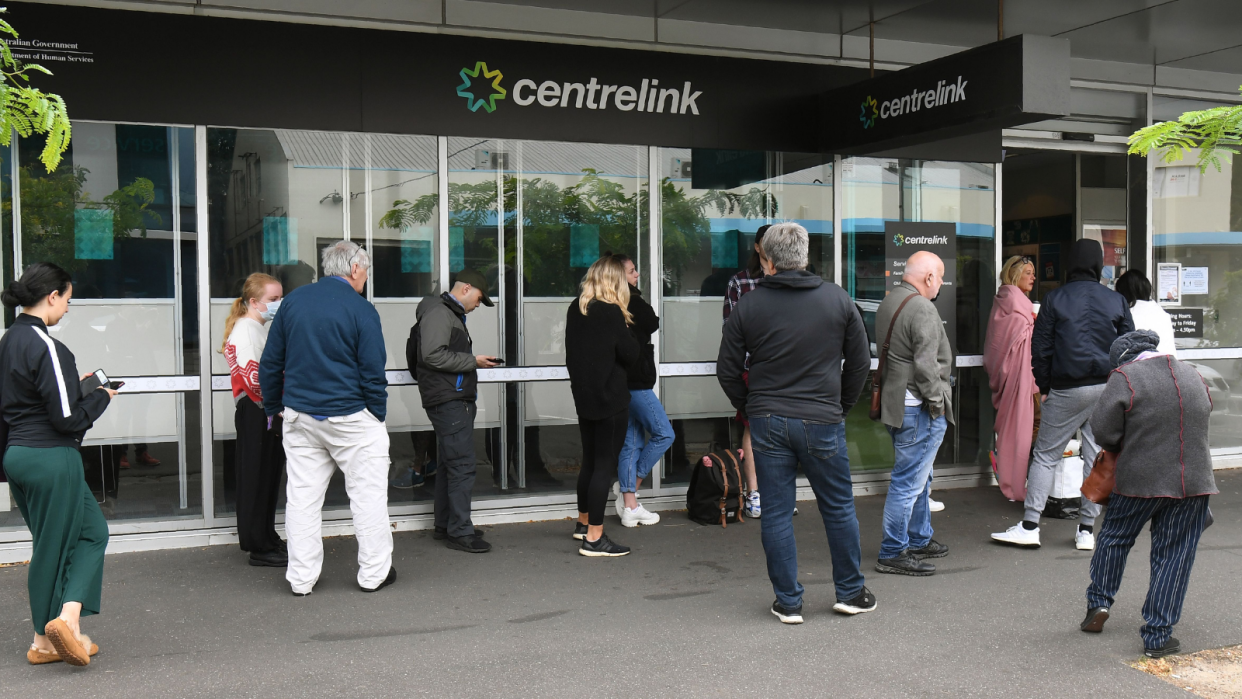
(43, 415)
(598, 348)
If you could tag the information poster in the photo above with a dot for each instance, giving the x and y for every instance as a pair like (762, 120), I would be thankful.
(1169, 283)
(904, 238)
(1187, 322)
(1194, 281)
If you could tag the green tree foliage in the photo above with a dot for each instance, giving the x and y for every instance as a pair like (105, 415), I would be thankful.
(28, 110)
(549, 211)
(49, 203)
(1216, 132)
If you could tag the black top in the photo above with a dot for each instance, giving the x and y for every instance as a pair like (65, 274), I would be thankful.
(41, 404)
(598, 350)
(642, 374)
(808, 350)
(1077, 325)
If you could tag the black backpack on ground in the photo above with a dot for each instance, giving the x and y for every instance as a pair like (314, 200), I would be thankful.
(715, 495)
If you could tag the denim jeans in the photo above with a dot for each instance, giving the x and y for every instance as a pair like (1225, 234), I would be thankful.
(637, 460)
(907, 514)
(780, 444)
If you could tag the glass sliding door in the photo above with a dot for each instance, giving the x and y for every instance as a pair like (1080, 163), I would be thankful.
(117, 214)
(884, 201)
(712, 204)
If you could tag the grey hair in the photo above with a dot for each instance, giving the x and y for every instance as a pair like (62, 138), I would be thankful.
(340, 257)
(785, 245)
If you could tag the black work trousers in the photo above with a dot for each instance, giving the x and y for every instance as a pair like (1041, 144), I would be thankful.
(259, 458)
(601, 445)
(454, 425)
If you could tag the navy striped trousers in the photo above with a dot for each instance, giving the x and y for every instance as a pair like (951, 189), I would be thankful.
(1176, 526)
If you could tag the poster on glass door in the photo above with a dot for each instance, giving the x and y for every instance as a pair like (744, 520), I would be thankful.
(904, 238)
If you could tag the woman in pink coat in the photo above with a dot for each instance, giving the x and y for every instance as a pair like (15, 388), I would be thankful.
(1007, 359)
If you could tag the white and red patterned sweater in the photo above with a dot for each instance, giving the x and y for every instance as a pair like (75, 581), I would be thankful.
(243, 351)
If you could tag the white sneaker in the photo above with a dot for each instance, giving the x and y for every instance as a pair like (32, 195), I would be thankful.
(935, 505)
(638, 515)
(1019, 536)
(1084, 541)
(619, 503)
(750, 507)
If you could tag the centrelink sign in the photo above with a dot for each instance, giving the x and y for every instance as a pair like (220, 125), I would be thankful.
(482, 87)
(999, 85)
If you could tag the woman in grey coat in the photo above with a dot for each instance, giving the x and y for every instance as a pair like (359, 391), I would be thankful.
(1154, 411)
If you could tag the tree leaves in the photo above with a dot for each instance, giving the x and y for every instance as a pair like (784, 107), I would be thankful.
(1215, 132)
(28, 110)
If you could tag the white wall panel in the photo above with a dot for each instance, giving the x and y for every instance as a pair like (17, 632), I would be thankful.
(143, 417)
(123, 339)
(692, 328)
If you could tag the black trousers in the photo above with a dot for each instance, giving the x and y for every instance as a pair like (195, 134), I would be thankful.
(602, 441)
(259, 459)
(454, 425)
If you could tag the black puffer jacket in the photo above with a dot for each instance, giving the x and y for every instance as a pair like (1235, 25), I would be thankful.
(598, 350)
(1077, 325)
(642, 374)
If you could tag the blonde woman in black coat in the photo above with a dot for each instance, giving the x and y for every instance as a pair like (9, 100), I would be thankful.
(599, 347)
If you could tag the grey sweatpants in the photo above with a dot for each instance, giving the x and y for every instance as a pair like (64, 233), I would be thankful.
(1063, 413)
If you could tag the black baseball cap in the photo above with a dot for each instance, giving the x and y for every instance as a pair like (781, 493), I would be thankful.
(473, 278)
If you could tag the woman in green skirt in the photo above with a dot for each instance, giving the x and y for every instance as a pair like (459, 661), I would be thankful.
(43, 415)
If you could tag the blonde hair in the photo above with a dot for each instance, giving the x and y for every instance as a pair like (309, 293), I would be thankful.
(254, 287)
(1013, 268)
(605, 281)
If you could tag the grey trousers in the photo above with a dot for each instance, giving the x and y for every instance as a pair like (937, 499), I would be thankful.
(454, 425)
(1064, 412)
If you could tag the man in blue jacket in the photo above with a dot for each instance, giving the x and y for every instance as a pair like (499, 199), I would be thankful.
(323, 371)
(1073, 334)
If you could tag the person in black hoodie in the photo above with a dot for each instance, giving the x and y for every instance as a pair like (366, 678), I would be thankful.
(1076, 327)
(646, 413)
(599, 348)
(43, 415)
(808, 361)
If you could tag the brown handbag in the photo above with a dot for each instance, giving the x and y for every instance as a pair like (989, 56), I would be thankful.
(1099, 484)
(879, 367)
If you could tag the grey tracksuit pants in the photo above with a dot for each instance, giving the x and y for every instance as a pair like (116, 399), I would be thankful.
(1064, 412)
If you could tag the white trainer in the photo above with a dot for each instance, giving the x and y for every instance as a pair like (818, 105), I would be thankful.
(1018, 535)
(619, 503)
(1084, 541)
(935, 505)
(638, 515)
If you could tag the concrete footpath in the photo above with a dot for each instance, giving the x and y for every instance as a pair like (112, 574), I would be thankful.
(686, 615)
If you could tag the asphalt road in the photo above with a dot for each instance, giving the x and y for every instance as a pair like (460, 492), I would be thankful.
(686, 615)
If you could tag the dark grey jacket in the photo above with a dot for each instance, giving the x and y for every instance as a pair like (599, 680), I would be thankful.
(440, 352)
(1155, 411)
(919, 357)
(797, 329)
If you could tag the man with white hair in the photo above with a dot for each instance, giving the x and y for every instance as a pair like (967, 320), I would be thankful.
(808, 360)
(323, 370)
(916, 405)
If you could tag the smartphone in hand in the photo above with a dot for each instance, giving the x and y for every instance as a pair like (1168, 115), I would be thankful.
(94, 380)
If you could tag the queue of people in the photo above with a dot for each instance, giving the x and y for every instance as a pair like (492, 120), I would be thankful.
(310, 390)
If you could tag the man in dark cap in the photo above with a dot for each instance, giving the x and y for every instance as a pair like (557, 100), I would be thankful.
(441, 355)
(1074, 333)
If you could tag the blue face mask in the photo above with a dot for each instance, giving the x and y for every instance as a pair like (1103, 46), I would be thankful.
(270, 313)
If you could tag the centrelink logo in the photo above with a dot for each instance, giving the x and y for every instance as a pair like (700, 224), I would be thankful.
(900, 240)
(483, 94)
(481, 87)
(944, 93)
(870, 110)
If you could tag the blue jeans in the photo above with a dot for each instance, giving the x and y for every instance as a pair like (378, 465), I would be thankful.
(907, 515)
(780, 444)
(637, 460)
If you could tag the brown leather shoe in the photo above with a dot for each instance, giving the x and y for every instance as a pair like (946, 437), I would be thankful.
(34, 656)
(69, 647)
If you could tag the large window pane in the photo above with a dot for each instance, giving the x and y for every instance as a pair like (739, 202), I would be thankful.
(881, 198)
(1197, 225)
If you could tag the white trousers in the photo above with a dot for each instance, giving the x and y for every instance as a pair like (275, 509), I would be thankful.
(358, 445)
